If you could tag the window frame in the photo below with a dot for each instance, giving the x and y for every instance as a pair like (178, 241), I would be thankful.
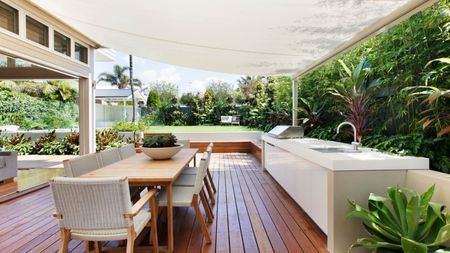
(47, 31)
(15, 11)
(86, 54)
(68, 42)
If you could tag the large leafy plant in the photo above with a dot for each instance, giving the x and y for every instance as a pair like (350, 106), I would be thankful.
(356, 90)
(405, 221)
(310, 111)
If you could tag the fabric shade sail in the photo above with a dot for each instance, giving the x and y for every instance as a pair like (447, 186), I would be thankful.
(232, 36)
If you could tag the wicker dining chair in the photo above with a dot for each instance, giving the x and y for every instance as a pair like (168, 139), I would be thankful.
(127, 151)
(99, 210)
(188, 196)
(109, 156)
(78, 166)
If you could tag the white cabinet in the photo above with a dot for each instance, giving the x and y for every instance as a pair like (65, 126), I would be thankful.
(306, 182)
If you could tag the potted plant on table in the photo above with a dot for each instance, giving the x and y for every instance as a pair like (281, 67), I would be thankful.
(161, 147)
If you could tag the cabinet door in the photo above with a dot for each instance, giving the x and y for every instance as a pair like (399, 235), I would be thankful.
(304, 181)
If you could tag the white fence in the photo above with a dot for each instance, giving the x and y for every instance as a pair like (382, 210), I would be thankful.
(107, 115)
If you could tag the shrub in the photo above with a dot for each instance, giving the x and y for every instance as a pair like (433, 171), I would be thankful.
(125, 126)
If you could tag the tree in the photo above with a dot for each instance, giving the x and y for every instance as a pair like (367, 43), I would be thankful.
(118, 77)
(247, 85)
(133, 101)
(167, 91)
(189, 99)
(153, 100)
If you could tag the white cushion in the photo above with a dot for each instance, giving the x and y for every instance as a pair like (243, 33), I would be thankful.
(190, 171)
(185, 180)
(181, 196)
(139, 222)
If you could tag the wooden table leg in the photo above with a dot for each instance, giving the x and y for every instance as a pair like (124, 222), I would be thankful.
(169, 218)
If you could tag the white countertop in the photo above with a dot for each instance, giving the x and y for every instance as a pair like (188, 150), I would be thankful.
(368, 159)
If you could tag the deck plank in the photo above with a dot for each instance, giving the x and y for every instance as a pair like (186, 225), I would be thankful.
(252, 214)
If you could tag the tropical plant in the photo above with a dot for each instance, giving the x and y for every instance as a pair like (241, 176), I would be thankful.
(17, 139)
(310, 111)
(356, 90)
(117, 78)
(405, 221)
(159, 141)
(44, 140)
(436, 99)
(107, 138)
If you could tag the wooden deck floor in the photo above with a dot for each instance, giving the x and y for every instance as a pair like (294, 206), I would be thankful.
(252, 214)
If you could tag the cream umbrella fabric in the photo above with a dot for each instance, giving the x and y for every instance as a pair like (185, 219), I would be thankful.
(232, 36)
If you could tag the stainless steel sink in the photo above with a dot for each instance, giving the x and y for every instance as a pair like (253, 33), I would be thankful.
(336, 150)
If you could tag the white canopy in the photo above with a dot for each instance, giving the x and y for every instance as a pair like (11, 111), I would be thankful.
(233, 36)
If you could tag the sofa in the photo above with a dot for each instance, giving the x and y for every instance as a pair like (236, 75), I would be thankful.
(8, 165)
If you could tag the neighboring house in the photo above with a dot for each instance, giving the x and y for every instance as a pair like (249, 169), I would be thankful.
(113, 96)
(111, 105)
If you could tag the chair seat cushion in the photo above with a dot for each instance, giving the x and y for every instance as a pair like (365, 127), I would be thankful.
(190, 171)
(185, 180)
(139, 221)
(181, 196)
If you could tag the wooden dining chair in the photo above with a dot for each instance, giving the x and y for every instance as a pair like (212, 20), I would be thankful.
(109, 156)
(78, 166)
(100, 209)
(188, 175)
(127, 151)
(188, 196)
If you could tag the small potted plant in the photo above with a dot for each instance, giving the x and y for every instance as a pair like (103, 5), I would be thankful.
(161, 147)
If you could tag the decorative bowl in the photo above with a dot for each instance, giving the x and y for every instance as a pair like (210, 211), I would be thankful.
(162, 153)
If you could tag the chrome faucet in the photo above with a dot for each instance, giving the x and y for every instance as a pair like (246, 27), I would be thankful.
(355, 143)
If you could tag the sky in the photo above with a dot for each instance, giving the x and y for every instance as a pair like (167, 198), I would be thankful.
(187, 79)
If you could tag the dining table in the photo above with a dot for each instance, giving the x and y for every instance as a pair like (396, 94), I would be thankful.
(141, 170)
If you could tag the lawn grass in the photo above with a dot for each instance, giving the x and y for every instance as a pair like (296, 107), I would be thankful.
(198, 129)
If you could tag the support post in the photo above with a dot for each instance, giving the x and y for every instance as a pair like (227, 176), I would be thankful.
(87, 109)
(294, 102)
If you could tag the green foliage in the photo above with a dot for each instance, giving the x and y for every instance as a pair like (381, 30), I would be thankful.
(108, 138)
(153, 100)
(22, 148)
(310, 111)
(404, 221)
(44, 140)
(159, 141)
(414, 144)
(51, 90)
(125, 126)
(35, 113)
(436, 100)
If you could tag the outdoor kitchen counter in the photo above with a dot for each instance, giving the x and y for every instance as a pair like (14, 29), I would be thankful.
(368, 159)
(322, 183)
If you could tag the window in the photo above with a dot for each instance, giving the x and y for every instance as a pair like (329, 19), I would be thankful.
(37, 32)
(81, 53)
(9, 18)
(62, 43)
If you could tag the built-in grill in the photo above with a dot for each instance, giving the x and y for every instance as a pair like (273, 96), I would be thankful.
(286, 132)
